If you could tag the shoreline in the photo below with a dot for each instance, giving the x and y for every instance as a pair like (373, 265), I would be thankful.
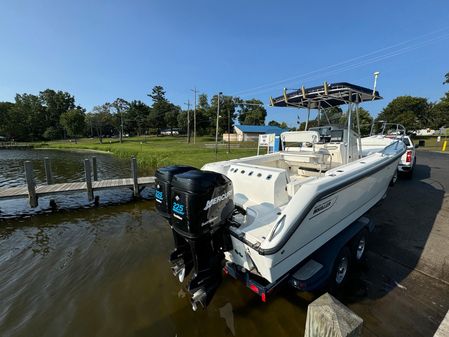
(74, 150)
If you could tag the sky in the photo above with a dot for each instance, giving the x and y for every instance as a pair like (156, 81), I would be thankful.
(101, 50)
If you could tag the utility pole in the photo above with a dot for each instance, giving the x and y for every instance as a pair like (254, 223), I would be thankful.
(121, 126)
(194, 116)
(229, 130)
(216, 129)
(188, 120)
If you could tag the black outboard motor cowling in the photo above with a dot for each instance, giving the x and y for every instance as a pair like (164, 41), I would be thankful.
(202, 203)
(181, 255)
(164, 176)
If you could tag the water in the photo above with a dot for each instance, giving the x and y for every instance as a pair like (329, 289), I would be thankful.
(104, 271)
(67, 166)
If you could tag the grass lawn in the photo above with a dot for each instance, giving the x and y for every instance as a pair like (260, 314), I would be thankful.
(431, 143)
(153, 152)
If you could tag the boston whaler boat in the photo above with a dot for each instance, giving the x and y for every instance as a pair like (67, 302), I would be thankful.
(291, 215)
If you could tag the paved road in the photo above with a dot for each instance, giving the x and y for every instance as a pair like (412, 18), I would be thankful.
(404, 288)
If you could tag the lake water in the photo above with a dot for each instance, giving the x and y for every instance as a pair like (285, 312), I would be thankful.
(104, 271)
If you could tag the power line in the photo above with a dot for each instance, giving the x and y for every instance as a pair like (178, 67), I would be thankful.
(347, 62)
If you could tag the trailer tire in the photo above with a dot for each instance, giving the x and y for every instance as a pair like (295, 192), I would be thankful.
(340, 269)
(358, 246)
(394, 179)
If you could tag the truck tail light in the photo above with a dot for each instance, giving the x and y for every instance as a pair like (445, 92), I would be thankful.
(408, 159)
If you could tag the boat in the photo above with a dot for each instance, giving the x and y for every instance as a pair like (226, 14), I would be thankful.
(264, 215)
(377, 141)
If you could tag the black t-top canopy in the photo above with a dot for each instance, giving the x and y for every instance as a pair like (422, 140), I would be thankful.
(325, 96)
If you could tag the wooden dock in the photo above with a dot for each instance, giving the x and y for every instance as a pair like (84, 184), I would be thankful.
(41, 190)
(33, 191)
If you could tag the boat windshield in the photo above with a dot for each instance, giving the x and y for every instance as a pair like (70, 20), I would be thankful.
(328, 134)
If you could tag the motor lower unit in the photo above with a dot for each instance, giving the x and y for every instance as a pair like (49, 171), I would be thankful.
(199, 209)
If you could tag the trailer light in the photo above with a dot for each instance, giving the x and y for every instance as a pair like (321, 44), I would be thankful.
(264, 297)
(225, 270)
(408, 159)
(254, 288)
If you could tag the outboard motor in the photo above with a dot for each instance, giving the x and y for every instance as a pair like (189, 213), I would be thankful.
(164, 176)
(202, 203)
(180, 257)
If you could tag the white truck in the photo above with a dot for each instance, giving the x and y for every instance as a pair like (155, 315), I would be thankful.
(408, 160)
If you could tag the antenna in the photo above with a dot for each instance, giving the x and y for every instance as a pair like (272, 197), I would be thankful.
(376, 74)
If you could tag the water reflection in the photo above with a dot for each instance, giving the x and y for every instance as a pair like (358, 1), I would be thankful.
(104, 272)
(84, 271)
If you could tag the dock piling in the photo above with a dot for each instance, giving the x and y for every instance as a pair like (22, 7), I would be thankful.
(326, 316)
(48, 173)
(87, 170)
(32, 191)
(94, 168)
(29, 175)
(134, 176)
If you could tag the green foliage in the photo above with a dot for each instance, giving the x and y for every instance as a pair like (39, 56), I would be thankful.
(52, 133)
(157, 94)
(73, 121)
(171, 118)
(440, 114)
(55, 103)
(227, 114)
(251, 112)
(412, 112)
(282, 125)
(365, 121)
(446, 79)
(161, 106)
(161, 151)
(28, 118)
(6, 127)
(336, 116)
(136, 119)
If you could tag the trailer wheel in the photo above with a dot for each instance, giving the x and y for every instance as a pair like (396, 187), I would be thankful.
(394, 179)
(341, 268)
(359, 246)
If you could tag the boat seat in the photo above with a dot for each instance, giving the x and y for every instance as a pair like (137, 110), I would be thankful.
(295, 183)
(320, 160)
(259, 184)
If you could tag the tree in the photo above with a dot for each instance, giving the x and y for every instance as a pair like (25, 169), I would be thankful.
(28, 118)
(281, 125)
(73, 121)
(440, 114)
(102, 120)
(171, 118)
(204, 117)
(446, 80)
(136, 118)
(159, 108)
(412, 112)
(227, 114)
(251, 112)
(119, 109)
(157, 94)
(365, 121)
(55, 104)
(6, 127)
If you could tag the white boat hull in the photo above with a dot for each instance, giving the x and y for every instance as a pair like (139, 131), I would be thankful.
(320, 210)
